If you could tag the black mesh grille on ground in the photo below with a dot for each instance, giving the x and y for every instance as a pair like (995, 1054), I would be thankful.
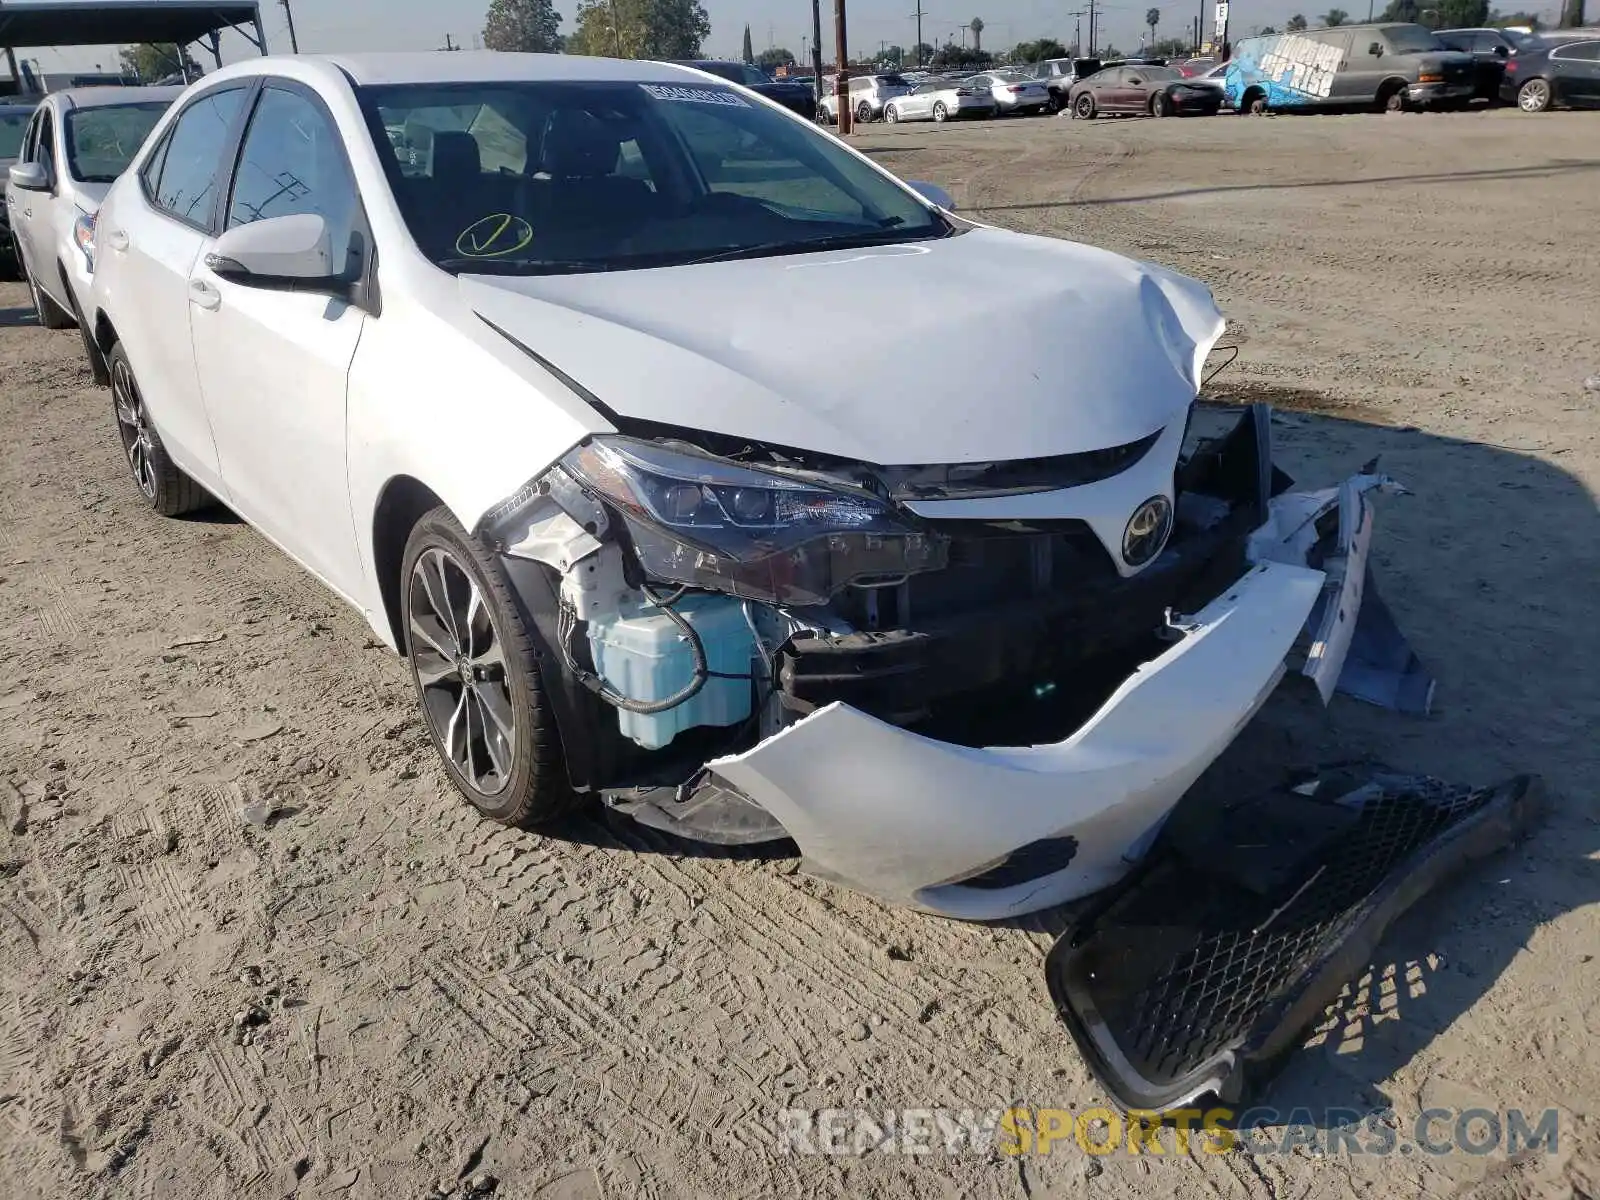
(1232, 919)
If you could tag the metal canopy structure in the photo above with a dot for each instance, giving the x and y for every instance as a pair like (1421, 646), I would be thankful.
(105, 22)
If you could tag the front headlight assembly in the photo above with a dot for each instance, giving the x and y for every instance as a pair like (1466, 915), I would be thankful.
(752, 532)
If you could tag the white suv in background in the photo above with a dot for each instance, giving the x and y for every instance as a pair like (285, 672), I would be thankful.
(76, 145)
(868, 95)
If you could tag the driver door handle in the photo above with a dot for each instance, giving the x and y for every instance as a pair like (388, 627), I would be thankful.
(117, 239)
(203, 295)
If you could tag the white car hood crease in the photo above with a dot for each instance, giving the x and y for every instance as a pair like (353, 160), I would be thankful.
(980, 347)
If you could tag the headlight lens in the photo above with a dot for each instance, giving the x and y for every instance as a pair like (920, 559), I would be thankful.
(709, 522)
(83, 236)
(1147, 531)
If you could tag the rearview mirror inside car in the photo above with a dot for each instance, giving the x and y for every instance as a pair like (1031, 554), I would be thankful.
(933, 194)
(296, 249)
(31, 177)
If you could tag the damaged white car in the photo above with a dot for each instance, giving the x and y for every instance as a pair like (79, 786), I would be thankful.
(571, 375)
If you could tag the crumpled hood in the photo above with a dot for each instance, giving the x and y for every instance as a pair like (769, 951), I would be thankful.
(984, 346)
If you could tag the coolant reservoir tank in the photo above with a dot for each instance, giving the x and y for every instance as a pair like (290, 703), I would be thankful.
(642, 654)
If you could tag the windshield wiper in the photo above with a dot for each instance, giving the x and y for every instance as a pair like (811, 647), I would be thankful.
(838, 241)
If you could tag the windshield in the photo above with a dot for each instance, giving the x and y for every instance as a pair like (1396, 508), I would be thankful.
(560, 178)
(1412, 39)
(892, 81)
(13, 126)
(101, 142)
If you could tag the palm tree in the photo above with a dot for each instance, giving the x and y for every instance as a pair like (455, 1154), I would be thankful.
(1335, 16)
(977, 33)
(1152, 17)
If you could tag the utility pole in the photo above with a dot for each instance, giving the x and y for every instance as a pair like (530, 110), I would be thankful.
(918, 16)
(816, 49)
(1077, 32)
(841, 79)
(288, 15)
(1091, 28)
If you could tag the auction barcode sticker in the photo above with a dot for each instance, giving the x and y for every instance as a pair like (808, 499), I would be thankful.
(694, 95)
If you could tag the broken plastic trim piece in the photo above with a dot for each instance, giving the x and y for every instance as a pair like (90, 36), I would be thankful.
(1198, 975)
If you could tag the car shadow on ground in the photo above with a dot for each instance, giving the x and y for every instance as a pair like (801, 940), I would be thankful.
(1490, 567)
(16, 318)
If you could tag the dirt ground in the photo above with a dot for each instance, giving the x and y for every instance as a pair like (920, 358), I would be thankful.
(610, 1016)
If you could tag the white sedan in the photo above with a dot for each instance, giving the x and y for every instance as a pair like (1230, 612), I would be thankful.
(540, 396)
(1013, 91)
(76, 144)
(940, 100)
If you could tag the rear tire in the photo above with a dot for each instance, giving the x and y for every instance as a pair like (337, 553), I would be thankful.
(51, 315)
(1534, 96)
(477, 678)
(941, 114)
(1160, 106)
(863, 113)
(891, 114)
(160, 481)
(1084, 107)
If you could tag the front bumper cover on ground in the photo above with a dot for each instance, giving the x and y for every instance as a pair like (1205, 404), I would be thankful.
(1198, 975)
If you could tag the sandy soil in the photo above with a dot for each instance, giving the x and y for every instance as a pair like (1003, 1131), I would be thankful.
(606, 1016)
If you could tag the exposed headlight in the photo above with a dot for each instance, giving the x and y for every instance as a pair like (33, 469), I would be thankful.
(83, 237)
(1147, 530)
(746, 531)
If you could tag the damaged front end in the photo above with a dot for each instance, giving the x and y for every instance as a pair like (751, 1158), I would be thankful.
(976, 689)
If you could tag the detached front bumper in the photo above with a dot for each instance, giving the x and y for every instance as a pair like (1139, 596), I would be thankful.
(981, 834)
(908, 818)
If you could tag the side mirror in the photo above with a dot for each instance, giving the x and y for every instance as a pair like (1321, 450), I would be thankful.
(30, 177)
(1376, 50)
(1134, 79)
(933, 194)
(1502, 52)
(277, 252)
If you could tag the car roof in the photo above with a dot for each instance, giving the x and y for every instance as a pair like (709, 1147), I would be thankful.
(105, 97)
(479, 66)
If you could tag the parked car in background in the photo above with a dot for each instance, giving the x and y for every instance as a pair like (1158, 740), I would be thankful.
(1014, 91)
(726, 604)
(1059, 74)
(1490, 50)
(77, 143)
(1557, 73)
(14, 118)
(940, 100)
(1216, 79)
(792, 94)
(1389, 66)
(1191, 68)
(868, 95)
(1146, 91)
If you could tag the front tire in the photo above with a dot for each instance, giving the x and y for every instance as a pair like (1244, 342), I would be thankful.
(1534, 96)
(1084, 107)
(941, 114)
(161, 482)
(863, 113)
(1160, 106)
(477, 678)
(891, 114)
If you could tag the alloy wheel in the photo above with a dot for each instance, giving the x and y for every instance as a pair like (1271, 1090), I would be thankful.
(1534, 96)
(940, 112)
(459, 661)
(133, 423)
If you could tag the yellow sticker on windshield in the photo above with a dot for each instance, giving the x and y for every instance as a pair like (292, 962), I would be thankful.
(495, 236)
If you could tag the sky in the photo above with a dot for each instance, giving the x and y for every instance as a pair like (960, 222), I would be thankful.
(328, 25)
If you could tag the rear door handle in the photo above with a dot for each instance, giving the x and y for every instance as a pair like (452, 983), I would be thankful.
(203, 295)
(117, 239)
